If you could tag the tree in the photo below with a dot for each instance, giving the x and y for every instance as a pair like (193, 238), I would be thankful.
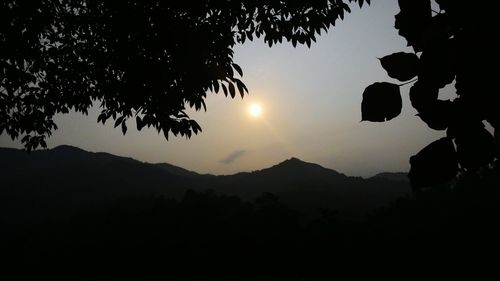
(146, 60)
(453, 44)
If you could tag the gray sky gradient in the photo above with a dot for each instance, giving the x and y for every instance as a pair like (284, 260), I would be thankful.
(311, 101)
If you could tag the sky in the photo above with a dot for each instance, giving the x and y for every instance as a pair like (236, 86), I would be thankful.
(311, 109)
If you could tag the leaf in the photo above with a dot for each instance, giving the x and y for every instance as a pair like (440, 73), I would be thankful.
(437, 64)
(412, 21)
(381, 102)
(124, 128)
(422, 94)
(224, 89)
(139, 123)
(401, 66)
(101, 118)
(195, 126)
(437, 115)
(435, 164)
(232, 91)
(216, 86)
(238, 69)
(241, 87)
(475, 146)
(119, 121)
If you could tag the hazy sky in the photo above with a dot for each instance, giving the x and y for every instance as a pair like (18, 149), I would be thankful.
(311, 100)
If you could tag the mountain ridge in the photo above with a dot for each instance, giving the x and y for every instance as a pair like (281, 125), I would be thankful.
(67, 178)
(178, 170)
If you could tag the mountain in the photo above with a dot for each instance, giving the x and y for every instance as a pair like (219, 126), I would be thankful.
(309, 187)
(67, 179)
(402, 177)
(176, 170)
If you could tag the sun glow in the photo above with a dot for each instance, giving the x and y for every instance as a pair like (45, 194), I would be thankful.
(255, 110)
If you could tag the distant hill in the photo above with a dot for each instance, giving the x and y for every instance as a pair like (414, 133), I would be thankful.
(403, 177)
(67, 179)
(176, 170)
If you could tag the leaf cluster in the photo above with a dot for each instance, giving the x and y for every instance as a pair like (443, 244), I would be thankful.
(452, 45)
(143, 60)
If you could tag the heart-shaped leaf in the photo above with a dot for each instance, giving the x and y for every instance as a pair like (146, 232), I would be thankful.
(422, 94)
(475, 146)
(412, 21)
(435, 164)
(401, 66)
(437, 114)
(381, 102)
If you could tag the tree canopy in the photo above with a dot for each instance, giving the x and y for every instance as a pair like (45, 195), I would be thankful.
(146, 60)
(452, 45)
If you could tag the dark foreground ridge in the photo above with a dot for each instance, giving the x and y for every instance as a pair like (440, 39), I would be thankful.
(70, 214)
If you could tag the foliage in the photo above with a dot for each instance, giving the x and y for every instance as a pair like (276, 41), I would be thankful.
(451, 45)
(142, 60)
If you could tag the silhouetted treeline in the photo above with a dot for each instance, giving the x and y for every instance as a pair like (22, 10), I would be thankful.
(205, 236)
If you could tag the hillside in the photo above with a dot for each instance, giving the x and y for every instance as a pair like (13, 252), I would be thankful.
(67, 179)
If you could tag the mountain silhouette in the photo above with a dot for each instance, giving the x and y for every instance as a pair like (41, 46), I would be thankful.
(402, 177)
(310, 187)
(67, 179)
(176, 170)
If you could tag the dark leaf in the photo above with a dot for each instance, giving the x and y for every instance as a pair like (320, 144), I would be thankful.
(195, 126)
(412, 21)
(238, 69)
(241, 87)
(232, 91)
(124, 128)
(437, 114)
(119, 121)
(437, 64)
(475, 146)
(216, 86)
(224, 89)
(435, 164)
(139, 122)
(401, 66)
(381, 102)
(101, 118)
(422, 94)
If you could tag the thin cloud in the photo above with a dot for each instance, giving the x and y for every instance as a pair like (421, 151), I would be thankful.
(233, 156)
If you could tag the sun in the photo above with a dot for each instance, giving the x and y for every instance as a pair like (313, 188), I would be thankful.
(255, 110)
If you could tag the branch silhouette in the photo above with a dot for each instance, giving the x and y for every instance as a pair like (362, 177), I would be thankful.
(142, 60)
